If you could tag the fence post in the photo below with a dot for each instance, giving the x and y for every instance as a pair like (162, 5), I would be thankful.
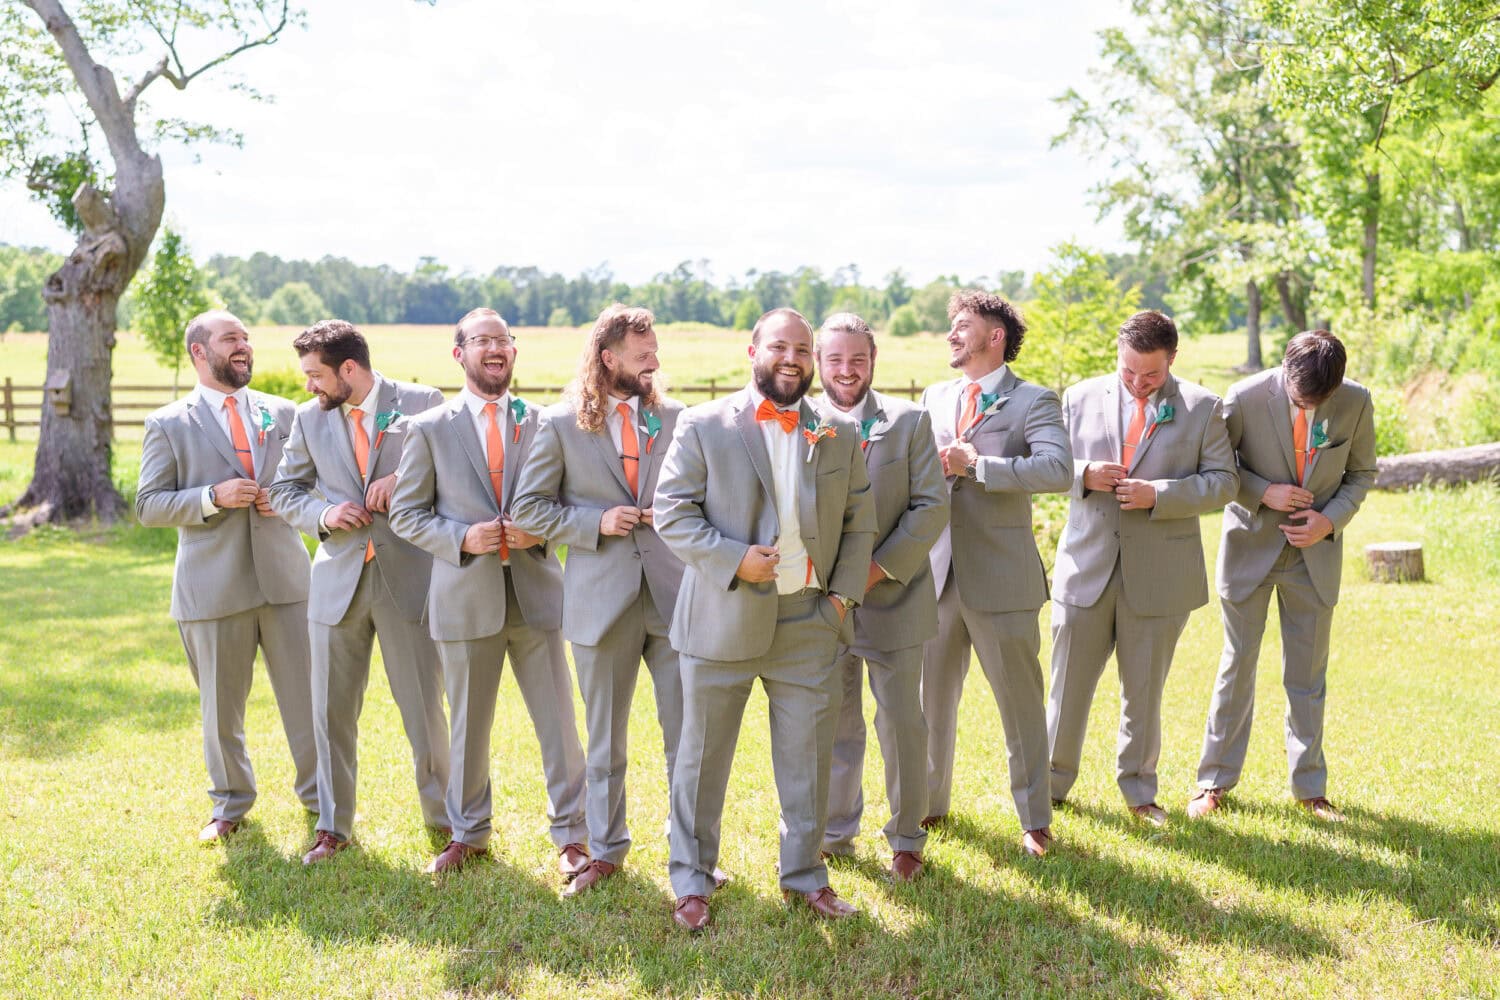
(10, 408)
(913, 390)
(713, 392)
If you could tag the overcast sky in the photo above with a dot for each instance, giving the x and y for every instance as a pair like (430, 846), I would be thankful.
(636, 135)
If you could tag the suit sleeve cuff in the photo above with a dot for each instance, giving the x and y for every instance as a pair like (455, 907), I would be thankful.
(207, 505)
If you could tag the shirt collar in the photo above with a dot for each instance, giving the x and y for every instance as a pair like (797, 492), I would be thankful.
(214, 398)
(988, 384)
(634, 402)
(475, 405)
(1129, 397)
(757, 398)
(369, 403)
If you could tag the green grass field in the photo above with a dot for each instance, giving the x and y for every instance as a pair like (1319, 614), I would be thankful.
(104, 891)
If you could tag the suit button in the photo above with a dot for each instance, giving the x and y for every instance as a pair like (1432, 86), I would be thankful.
(635, 555)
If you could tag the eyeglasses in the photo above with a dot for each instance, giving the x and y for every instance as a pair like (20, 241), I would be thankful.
(485, 343)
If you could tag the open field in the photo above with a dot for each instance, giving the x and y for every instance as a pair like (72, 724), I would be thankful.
(103, 891)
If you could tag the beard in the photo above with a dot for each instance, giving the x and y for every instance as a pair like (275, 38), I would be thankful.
(333, 400)
(846, 398)
(489, 385)
(225, 372)
(961, 358)
(642, 384)
(766, 381)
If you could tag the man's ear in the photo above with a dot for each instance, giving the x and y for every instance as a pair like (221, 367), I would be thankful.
(608, 357)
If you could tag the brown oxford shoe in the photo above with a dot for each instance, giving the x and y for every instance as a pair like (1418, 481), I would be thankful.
(1036, 842)
(824, 902)
(217, 829)
(572, 860)
(1150, 813)
(325, 846)
(1205, 801)
(906, 865)
(691, 913)
(932, 821)
(1321, 809)
(593, 873)
(453, 857)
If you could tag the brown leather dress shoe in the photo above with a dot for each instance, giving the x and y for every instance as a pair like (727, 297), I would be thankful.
(325, 846)
(1150, 813)
(572, 860)
(217, 829)
(824, 902)
(453, 857)
(1205, 801)
(1321, 809)
(1035, 842)
(593, 873)
(906, 865)
(932, 821)
(691, 913)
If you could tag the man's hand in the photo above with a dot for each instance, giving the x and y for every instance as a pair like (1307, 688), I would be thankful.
(957, 457)
(1102, 476)
(483, 538)
(1135, 494)
(378, 495)
(648, 517)
(838, 607)
(759, 564)
(1313, 528)
(263, 503)
(515, 538)
(619, 520)
(234, 493)
(1286, 497)
(875, 575)
(347, 517)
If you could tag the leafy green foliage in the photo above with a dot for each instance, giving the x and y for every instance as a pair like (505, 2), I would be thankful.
(171, 293)
(295, 304)
(904, 322)
(23, 272)
(1074, 319)
(282, 382)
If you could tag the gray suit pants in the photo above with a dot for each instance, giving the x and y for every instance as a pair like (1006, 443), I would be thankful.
(221, 655)
(471, 671)
(803, 690)
(340, 673)
(1082, 639)
(606, 677)
(1305, 626)
(1007, 645)
(896, 682)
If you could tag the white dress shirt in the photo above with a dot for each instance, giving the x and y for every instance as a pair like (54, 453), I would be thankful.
(475, 405)
(988, 386)
(1127, 412)
(614, 424)
(794, 571)
(215, 401)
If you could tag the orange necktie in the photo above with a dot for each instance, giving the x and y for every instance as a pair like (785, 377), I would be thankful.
(1299, 443)
(495, 454)
(786, 418)
(239, 437)
(630, 449)
(1134, 431)
(970, 415)
(362, 459)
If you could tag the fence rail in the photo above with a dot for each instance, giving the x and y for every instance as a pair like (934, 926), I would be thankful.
(21, 405)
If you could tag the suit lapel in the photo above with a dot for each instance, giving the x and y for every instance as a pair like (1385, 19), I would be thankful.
(649, 459)
(1168, 394)
(1112, 419)
(1003, 390)
(386, 403)
(519, 437)
(809, 458)
(336, 426)
(202, 415)
(1280, 405)
(610, 456)
(462, 425)
(760, 458)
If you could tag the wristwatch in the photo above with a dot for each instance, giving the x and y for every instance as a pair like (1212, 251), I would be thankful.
(213, 497)
(847, 602)
(971, 472)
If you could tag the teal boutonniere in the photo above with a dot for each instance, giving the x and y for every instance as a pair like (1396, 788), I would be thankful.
(989, 402)
(815, 430)
(865, 427)
(653, 428)
(267, 421)
(1164, 415)
(1319, 437)
(383, 422)
(518, 414)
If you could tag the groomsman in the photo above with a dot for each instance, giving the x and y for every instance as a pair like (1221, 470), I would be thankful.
(899, 612)
(335, 482)
(1001, 439)
(241, 576)
(768, 504)
(588, 484)
(1304, 437)
(1150, 454)
(496, 590)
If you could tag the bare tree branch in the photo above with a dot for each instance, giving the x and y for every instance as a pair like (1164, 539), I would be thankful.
(160, 69)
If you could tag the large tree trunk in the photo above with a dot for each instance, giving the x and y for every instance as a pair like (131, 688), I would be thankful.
(1292, 305)
(1253, 362)
(1372, 234)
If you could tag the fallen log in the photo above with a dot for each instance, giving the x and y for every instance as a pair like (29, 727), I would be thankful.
(1447, 468)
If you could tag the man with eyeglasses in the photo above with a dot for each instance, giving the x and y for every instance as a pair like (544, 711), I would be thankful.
(496, 590)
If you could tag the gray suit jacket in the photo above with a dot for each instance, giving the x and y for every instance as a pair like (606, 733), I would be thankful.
(443, 487)
(1189, 461)
(1257, 411)
(1023, 449)
(911, 511)
(237, 559)
(317, 469)
(716, 498)
(571, 478)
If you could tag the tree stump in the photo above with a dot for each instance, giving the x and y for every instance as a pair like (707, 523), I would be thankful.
(1394, 562)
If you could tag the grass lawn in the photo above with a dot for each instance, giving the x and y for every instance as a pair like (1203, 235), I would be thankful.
(105, 892)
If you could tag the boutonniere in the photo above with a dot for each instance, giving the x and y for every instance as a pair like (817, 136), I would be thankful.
(865, 427)
(383, 422)
(815, 430)
(1164, 415)
(653, 428)
(989, 402)
(1319, 437)
(518, 414)
(267, 421)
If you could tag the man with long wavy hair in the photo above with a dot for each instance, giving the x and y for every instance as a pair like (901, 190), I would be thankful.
(588, 485)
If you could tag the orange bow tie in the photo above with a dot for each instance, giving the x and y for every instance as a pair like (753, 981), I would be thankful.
(786, 418)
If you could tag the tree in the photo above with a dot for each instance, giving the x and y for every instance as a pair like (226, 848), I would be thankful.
(173, 292)
(747, 312)
(50, 59)
(904, 322)
(560, 317)
(295, 304)
(1074, 319)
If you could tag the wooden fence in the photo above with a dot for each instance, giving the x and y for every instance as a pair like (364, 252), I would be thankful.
(21, 405)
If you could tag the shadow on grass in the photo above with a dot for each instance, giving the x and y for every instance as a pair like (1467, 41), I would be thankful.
(499, 928)
(1151, 899)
